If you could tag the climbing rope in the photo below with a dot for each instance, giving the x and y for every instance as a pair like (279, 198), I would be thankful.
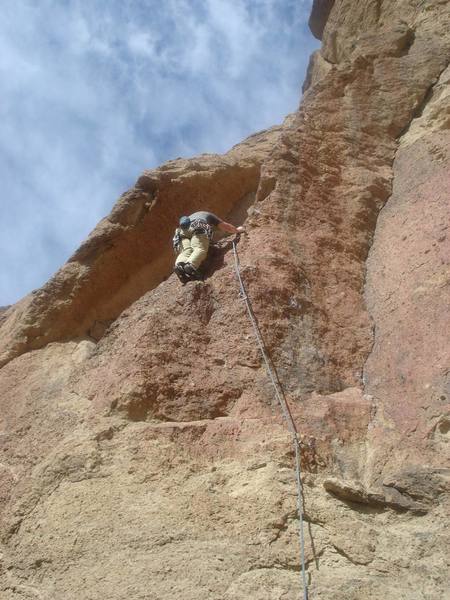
(279, 395)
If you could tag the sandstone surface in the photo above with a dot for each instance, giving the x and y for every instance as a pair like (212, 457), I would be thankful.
(129, 252)
(142, 452)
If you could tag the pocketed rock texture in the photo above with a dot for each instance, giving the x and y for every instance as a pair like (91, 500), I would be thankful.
(142, 452)
(130, 251)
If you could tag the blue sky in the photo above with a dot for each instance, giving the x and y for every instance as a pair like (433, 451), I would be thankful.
(95, 91)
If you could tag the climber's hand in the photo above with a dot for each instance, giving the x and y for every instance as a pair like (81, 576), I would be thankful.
(240, 229)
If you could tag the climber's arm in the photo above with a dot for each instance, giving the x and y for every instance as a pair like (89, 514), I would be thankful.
(229, 228)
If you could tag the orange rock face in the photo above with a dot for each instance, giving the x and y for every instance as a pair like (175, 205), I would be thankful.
(142, 452)
(129, 252)
(407, 294)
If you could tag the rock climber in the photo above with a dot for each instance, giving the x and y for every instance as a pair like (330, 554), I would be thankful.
(192, 239)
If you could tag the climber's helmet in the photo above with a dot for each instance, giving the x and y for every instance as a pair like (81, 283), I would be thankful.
(185, 222)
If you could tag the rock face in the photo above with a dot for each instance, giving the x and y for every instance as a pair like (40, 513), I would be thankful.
(142, 453)
(129, 252)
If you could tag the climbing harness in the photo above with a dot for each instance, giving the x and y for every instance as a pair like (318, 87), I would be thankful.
(201, 226)
(176, 241)
(279, 395)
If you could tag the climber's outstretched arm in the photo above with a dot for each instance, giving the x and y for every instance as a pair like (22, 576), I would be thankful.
(229, 228)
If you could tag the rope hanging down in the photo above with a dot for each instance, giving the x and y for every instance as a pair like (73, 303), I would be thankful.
(279, 395)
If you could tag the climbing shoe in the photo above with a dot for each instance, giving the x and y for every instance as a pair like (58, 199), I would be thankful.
(192, 272)
(179, 272)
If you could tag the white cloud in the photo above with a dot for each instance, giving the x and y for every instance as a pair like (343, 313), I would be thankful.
(94, 92)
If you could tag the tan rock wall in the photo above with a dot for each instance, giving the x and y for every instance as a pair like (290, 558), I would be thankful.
(151, 461)
(408, 295)
(129, 252)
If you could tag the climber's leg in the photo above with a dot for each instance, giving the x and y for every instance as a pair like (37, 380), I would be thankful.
(186, 251)
(200, 245)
